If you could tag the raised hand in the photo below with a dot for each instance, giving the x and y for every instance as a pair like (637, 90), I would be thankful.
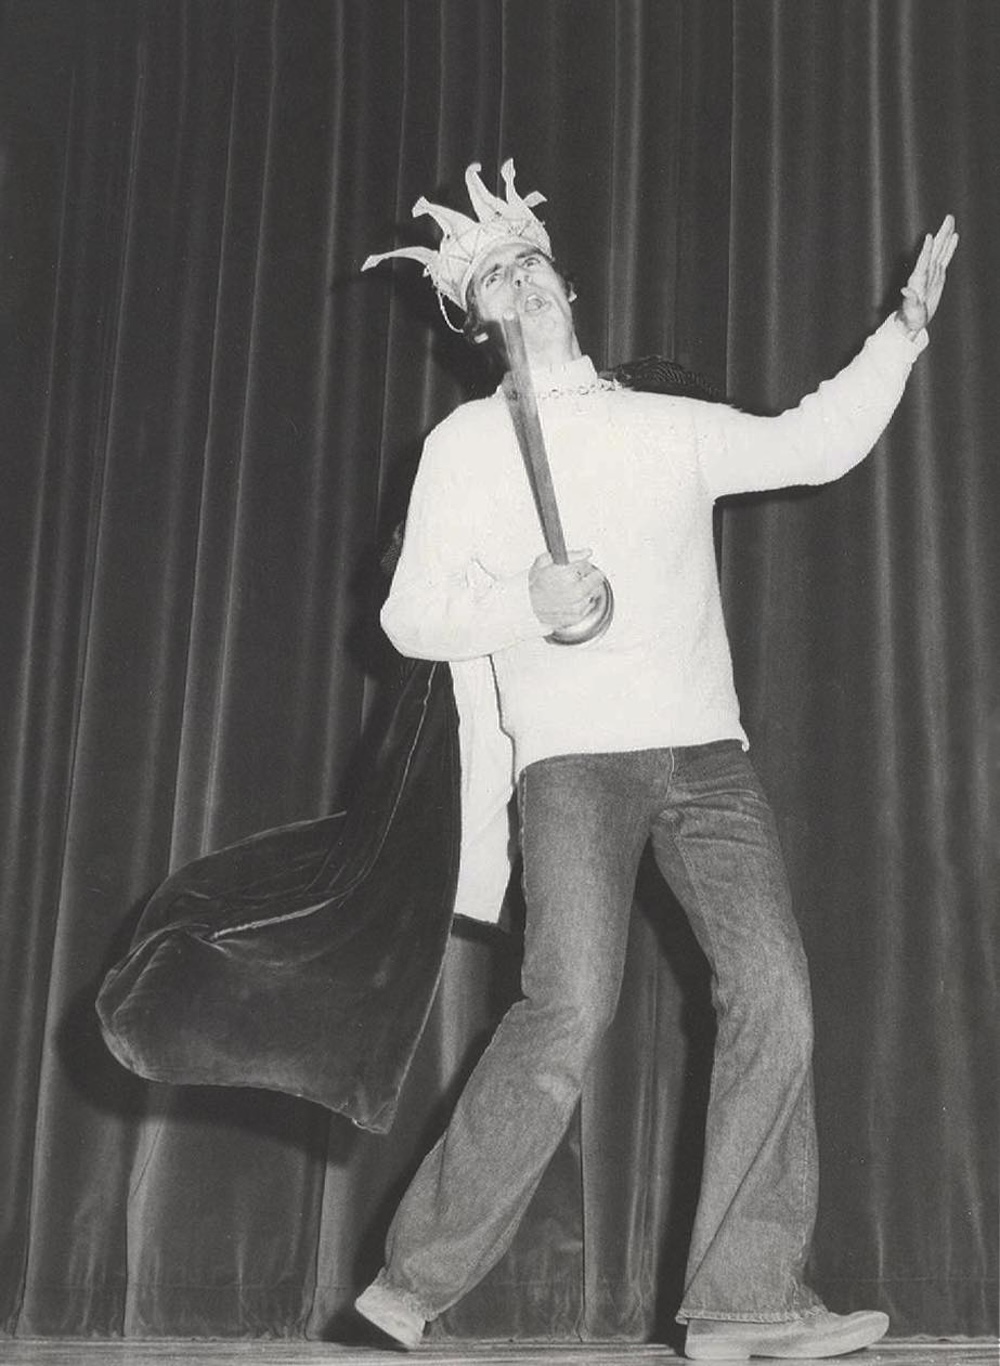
(922, 291)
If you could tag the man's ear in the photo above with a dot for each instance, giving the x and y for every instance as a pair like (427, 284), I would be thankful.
(571, 296)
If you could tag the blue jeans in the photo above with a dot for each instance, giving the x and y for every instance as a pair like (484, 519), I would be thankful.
(585, 820)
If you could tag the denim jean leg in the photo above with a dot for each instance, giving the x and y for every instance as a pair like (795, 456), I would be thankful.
(582, 835)
(716, 844)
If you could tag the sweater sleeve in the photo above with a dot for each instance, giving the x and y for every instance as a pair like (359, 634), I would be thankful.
(443, 604)
(826, 435)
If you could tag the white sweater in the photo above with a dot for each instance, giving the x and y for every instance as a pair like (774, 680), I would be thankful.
(636, 476)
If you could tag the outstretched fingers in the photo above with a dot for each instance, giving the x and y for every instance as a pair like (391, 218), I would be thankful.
(941, 246)
(922, 292)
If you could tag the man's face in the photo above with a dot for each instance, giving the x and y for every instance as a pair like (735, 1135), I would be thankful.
(516, 277)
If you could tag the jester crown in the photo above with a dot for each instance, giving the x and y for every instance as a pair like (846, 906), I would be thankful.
(465, 240)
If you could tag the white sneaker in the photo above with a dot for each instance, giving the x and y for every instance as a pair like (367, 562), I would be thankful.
(820, 1334)
(391, 1313)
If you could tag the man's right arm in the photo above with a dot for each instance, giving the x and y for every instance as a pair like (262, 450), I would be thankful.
(443, 604)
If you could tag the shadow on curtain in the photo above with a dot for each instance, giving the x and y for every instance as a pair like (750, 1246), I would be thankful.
(211, 423)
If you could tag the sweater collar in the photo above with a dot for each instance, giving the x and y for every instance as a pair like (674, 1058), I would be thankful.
(577, 376)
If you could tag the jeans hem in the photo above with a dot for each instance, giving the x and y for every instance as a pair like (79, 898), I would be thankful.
(685, 1315)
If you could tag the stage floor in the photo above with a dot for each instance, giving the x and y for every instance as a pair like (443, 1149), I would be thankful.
(240, 1352)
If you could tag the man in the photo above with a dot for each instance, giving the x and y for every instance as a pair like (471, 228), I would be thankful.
(630, 737)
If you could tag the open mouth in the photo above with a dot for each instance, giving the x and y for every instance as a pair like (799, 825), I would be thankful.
(534, 303)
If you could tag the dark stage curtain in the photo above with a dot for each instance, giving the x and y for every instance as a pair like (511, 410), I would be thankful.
(872, 690)
(210, 422)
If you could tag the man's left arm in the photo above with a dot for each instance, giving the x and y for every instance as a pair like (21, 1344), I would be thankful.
(835, 427)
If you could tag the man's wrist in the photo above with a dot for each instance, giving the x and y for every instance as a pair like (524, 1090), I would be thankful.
(911, 333)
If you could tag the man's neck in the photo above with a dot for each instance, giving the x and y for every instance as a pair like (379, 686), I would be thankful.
(559, 352)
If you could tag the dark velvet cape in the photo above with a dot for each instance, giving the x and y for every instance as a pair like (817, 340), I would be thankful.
(305, 959)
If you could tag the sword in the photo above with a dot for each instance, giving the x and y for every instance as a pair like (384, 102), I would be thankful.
(522, 404)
